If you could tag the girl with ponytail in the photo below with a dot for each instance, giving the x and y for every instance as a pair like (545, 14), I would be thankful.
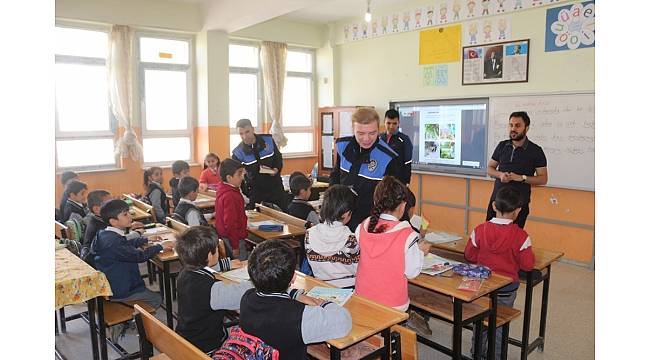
(155, 193)
(390, 251)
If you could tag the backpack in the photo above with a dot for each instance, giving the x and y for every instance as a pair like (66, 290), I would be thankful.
(75, 233)
(242, 346)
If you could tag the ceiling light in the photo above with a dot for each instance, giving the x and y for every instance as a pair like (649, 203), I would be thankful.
(368, 16)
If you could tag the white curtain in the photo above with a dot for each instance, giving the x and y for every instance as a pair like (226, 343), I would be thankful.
(274, 58)
(119, 88)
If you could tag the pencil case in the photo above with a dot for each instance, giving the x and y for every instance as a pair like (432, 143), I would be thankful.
(475, 271)
(271, 227)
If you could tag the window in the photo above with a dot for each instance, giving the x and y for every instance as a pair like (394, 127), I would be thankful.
(245, 88)
(165, 98)
(83, 121)
(247, 95)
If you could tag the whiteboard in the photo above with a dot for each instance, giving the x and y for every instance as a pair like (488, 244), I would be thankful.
(562, 124)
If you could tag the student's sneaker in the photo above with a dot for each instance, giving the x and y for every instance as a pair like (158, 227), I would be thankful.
(418, 323)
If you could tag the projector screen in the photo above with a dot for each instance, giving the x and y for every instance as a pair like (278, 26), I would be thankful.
(448, 136)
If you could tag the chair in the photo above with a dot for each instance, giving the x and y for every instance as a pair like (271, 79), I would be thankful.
(176, 225)
(142, 206)
(154, 334)
(60, 231)
(116, 313)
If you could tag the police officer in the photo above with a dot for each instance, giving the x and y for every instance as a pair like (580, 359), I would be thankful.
(400, 143)
(263, 162)
(362, 161)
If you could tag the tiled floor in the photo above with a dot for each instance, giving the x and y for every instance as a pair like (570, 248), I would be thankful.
(569, 330)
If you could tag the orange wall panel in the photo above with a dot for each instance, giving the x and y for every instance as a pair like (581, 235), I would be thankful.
(577, 244)
(303, 165)
(444, 218)
(480, 192)
(443, 189)
(563, 204)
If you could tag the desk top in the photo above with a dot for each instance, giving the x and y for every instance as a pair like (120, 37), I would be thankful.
(368, 317)
(139, 214)
(449, 285)
(543, 258)
(75, 281)
(167, 255)
(204, 201)
(287, 231)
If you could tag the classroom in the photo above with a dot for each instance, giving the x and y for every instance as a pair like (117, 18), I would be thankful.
(176, 83)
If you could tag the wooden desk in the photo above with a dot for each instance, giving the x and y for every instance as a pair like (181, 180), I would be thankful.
(76, 282)
(287, 232)
(139, 214)
(205, 201)
(368, 318)
(164, 261)
(543, 261)
(449, 286)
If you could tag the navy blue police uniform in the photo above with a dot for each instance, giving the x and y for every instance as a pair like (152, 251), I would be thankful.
(402, 145)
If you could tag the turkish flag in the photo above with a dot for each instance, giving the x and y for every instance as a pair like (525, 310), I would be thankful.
(472, 54)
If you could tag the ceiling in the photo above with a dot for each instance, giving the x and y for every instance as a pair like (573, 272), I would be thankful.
(233, 15)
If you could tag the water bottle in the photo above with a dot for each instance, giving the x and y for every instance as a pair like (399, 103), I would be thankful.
(314, 173)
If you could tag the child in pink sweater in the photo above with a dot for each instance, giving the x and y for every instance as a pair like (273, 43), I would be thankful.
(390, 251)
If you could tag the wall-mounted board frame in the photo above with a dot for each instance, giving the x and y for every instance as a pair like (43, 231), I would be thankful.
(496, 63)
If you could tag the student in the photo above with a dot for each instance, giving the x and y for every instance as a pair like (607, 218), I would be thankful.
(155, 193)
(504, 247)
(210, 175)
(286, 322)
(331, 248)
(180, 169)
(186, 211)
(118, 257)
(390, 252)
(66, 177)
(94, 221)
(299, 207)
(74, 205)
(202, 299)
(230, 218)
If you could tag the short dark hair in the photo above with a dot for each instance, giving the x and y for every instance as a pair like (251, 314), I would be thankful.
(194, 244)
(299, 183)
(338, 200)
(96, 197)
(242, 123)
(523, 115)
(112, 208)
(186, 185)
(229, 167)
(179, 165)
(392, 114)
(75, 186)
(271, 266)
(294, 174)
(508, 199)
(67, 176)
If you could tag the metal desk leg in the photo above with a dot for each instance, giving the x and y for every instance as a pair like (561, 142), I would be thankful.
(93, 326)
(542, 321)
(457, 338)
(504, 341)
(492, 326)
(385, 355)
(335, 354)
(528, 305)
(168, 295)
(62, 319)
(102, 328)
(478, 340)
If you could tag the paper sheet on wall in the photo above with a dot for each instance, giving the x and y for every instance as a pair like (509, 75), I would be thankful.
(440, 45)
(328, 151)
(487, 31)
(345, 124)
(327, 124)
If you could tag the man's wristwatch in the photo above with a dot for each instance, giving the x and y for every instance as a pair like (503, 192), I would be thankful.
(524, 178)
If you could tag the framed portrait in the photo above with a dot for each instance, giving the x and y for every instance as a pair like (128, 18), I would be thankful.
(505, 62)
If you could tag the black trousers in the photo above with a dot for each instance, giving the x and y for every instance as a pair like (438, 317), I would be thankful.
(521, 218)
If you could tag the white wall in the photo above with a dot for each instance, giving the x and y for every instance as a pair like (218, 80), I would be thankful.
(376, 71)
(290, 32)
(143, 13)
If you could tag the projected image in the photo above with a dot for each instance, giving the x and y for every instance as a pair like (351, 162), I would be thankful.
(431, 131)
(448, 132)
(447, 150)
(430, 149)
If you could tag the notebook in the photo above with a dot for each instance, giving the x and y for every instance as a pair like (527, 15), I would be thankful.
(434, 264)
(157, 231)
(438, 237)
(237, 275)
(335, 295)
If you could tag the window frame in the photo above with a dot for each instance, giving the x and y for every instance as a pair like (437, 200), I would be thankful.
(311, 128)
(84, 135)
(189, 68)
(261, 109)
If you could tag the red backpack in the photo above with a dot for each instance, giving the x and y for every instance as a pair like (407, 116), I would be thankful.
(242, 346)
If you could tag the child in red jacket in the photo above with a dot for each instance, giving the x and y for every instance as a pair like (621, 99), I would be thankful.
(504, 247)
(229, 214)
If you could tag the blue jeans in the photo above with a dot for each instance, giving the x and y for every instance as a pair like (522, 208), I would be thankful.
(150, 297)
(507, 299)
